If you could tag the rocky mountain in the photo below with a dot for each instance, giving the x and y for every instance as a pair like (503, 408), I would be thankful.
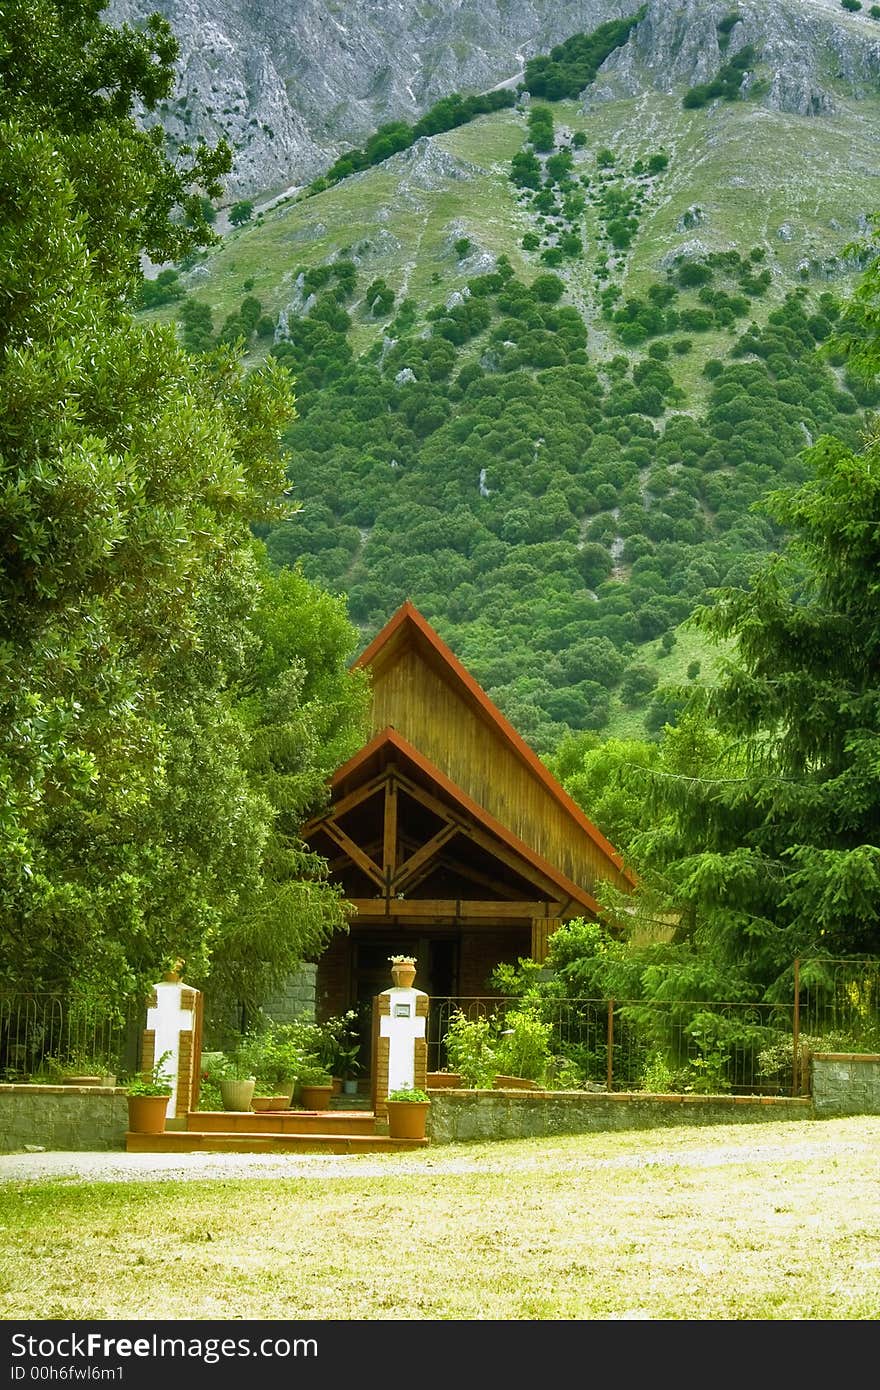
(293, 83)
(548, 358)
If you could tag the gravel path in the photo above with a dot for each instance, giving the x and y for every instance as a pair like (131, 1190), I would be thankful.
(832, 1139)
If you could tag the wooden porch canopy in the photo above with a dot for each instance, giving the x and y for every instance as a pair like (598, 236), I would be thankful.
(446, 815)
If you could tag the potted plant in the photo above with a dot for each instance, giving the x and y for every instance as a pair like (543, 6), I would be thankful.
(339, 1049)
(403, 970)
(315, 1087)
(275, 1058)
(235, 1078)
(408, 1113)
(148, 1096)
(349, 1076)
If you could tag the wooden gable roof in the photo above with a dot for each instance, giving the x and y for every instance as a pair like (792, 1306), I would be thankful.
(422, 692)
(402, 831)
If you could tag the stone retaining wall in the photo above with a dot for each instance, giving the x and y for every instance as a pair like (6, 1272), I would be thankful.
(62, 1117)
(96, 1117)
(846, 1083)
(462, 1116)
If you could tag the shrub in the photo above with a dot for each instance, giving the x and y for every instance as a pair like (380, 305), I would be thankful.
(524, 1045)
(470, 1049)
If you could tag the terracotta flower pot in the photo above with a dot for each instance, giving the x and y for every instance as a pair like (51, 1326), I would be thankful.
(270, 1102)
(146, 1114)
(403, 975)
(407, 1119)
(315, 1097)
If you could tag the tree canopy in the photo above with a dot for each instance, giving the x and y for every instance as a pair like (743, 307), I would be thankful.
(137, 686)
(771, 848)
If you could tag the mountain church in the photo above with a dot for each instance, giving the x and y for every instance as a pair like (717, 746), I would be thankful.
(447, 833)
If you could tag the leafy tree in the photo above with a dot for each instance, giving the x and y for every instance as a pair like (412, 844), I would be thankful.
(572, 65)
(638, 680)
(241, 212)
(133, 826)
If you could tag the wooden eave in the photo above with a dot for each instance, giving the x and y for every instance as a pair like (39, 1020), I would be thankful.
(360, 777)
(407, 628)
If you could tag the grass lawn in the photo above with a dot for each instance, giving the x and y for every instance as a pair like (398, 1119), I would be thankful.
(747, 1221)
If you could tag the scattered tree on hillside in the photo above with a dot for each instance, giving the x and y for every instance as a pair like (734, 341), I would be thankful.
(241, 212)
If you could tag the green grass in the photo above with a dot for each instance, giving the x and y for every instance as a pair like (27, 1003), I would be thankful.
(770, 1221)
(690, 645)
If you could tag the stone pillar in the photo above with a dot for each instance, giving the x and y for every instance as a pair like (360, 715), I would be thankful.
(174, 1025)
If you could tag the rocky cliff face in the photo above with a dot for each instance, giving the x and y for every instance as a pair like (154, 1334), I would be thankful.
(291, 83)
(809, 52)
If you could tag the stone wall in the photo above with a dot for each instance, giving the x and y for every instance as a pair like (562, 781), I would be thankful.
(96, 1117)
(846, 1083)
(295, 998)
(464, 1116)
(62, 1117)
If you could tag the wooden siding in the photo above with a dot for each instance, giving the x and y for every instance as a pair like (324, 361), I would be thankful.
(414, 699)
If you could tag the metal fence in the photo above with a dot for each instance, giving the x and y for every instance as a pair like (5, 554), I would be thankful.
(46, 1037)
(618, 1044)
(839, 1002)
(638, 1045)
(693, 1045)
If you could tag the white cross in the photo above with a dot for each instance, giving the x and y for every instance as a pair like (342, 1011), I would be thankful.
(401, 1030)
(168, 1020)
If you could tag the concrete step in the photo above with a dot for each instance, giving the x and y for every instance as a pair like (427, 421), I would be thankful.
(281, 1121)
(195, 1141)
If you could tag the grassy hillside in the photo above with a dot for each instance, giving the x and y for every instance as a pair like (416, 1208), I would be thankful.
(544, 470)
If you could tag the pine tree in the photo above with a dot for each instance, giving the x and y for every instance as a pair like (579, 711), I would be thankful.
(775, 850)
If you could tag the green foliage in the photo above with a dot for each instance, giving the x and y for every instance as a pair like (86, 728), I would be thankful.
(410, 1095)
(79, 85)
(572, 65)
(152, 1082)
(728, 81)
(470, 1049)
(852, 5)
(241, 212)
(540, 125)
(725, 25)
(165, 289)
(394, 136)
(524, 1044)
(139, 760)
(273, 1055)
(313, 1074)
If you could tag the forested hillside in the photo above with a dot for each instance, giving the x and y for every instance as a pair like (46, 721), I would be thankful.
(547, 361)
